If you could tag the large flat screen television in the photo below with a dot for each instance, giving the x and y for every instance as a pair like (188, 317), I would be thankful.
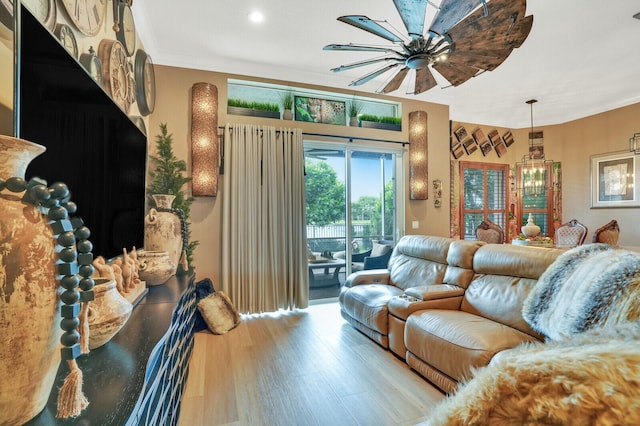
(92, 145)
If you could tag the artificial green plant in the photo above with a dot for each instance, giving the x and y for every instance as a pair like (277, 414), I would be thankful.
(167, 177)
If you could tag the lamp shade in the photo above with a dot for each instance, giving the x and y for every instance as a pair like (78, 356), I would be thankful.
(418, 165)
(204, 140)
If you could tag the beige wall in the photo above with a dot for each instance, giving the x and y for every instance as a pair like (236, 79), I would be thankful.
(173, 108)
(573, 144)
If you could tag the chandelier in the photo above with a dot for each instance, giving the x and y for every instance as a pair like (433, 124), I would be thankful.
(534, 172)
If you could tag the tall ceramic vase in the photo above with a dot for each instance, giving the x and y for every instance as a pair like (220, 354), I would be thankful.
(29, 295)
(163, 229)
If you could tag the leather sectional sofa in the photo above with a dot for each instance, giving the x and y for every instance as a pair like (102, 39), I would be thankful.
(446, 306)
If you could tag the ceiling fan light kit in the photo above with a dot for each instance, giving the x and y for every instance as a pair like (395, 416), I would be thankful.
(465, 38)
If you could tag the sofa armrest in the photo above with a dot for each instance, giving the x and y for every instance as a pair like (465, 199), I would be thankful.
(437, 296)
(435, 291)
(373, 276)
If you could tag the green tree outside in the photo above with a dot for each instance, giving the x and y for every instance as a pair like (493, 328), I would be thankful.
(325, 195)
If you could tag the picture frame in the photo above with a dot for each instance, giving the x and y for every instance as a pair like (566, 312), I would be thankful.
(461, 134)
(486, 147)
(470, 146)
(501, 148)
(479, 137)
(457, 151)
(536, 152)
(508, 138)
(494, 137)
(613, 180)
(316, 110)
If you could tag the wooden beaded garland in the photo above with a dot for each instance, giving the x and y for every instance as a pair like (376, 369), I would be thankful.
(75, 257)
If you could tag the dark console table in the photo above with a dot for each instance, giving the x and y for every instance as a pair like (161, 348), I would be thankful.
(138, 377)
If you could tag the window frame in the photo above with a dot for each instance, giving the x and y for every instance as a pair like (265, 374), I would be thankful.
(463, 165)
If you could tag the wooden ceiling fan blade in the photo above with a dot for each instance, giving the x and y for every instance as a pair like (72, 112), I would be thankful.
(372, 75)
(364, 63)
(452, 12)
(456, 75)
(364, 23)
(357, 48)
(412, 13)
(522, 31)
(424, 80)
(479, 64)
(480, 61)
(501, 12)
(396, 81)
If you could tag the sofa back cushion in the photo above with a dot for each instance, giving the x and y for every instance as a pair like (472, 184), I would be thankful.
(460, 262)
(505, 275)
(419, 260)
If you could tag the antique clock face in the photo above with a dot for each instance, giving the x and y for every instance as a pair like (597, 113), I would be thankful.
(87, 15)
(92, 64)
(145, 83)
(126, 32)
(67, 38)
(114, 71)
(43, 10)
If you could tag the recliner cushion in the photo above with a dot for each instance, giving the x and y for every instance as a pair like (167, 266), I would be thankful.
(455, 342)
(368, 304)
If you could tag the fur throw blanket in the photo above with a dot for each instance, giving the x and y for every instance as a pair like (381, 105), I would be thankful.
(592, 378)
(589, 286)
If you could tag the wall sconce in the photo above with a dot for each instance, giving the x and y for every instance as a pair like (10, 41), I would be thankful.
(634, 143)
(204, 140)
(418, 170)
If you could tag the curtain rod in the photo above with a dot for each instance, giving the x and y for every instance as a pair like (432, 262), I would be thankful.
(350, 138)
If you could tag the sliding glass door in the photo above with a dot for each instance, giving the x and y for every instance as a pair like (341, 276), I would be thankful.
(352, 200)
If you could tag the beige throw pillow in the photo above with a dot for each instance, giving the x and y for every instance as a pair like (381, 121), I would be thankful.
(219, 313)
(379, 249)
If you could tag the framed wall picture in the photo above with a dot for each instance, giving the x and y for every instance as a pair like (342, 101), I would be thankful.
(613, 180)
(501, 148)
(470, 146)
(461, 133)
(457, 151)
(486, 147)
(494, 137)
(536, 152)
(317, 110)
(479, 136)
(508, 138)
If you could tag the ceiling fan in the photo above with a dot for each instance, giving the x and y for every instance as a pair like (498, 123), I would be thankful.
(466, 38)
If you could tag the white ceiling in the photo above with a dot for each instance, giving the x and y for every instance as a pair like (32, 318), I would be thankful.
(582, 57)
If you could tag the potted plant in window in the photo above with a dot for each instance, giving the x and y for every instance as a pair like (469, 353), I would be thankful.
(287, 105)
(253, 109)
(355, 108)
(380, 122)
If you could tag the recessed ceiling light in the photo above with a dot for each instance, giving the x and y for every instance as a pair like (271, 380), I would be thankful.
(256, 16)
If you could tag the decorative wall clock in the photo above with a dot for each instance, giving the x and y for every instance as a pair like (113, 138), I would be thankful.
(92, 64)
(87, 15)
(145, 83)
(114, 71)
(131, 84)
(67, 38)
(44, 10)
(6, 15)
(125, 28)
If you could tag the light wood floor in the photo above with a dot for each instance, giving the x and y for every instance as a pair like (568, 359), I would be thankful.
(308, 367)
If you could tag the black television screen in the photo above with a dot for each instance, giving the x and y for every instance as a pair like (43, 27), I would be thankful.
(92, 146)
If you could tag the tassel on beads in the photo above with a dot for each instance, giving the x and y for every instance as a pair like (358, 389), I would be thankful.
(71, 399)
(84, 328)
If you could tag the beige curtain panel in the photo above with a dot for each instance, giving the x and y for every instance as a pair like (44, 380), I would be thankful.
(264, 264)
